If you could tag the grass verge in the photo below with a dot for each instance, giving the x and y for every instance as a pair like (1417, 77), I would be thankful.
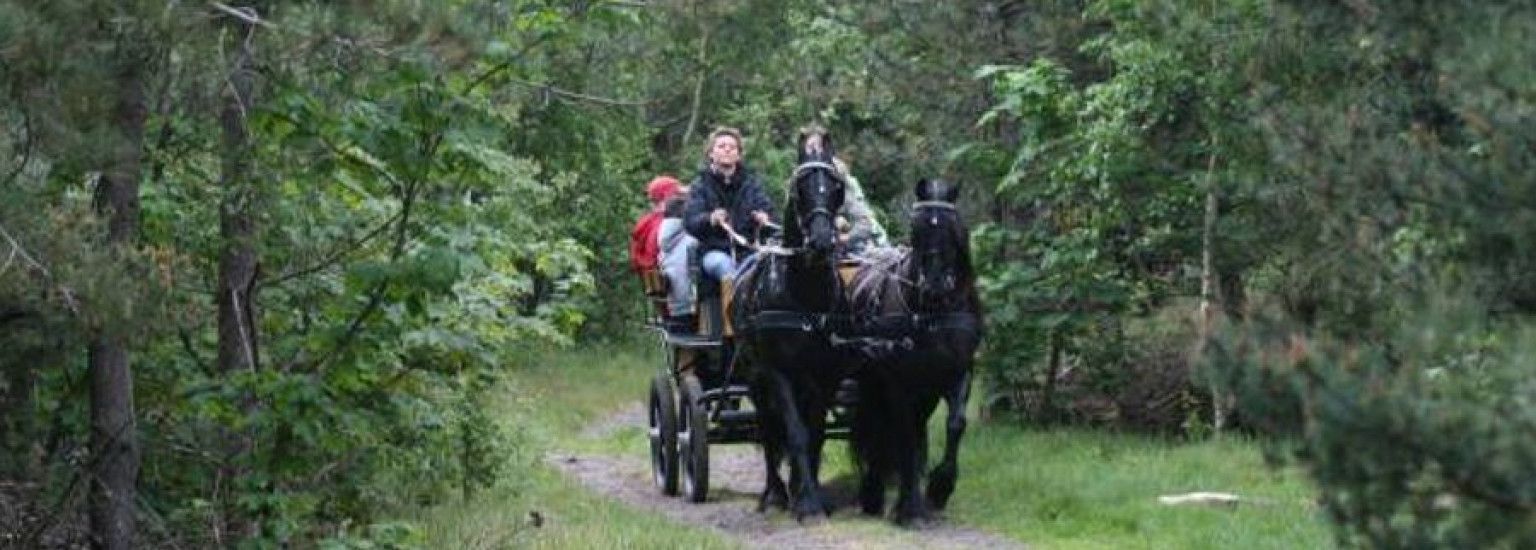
(1083, 489)
(1059, 488)
(549, 402)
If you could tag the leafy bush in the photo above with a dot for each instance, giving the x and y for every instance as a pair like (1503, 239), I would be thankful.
(1421, 439)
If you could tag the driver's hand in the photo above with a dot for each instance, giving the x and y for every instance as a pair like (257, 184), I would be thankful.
(761, 217)
(717, 217)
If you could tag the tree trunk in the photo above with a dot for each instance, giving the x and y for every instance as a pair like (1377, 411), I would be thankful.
(115, 467)
(237, 260)
(698, 93)
(1048, 409)
(1208, 292)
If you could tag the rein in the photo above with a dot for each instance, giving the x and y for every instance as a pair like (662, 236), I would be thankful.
(890, 270)
(894, 330)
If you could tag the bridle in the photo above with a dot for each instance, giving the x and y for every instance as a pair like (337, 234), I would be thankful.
(916, 208)
(832, 171)
(895, 331)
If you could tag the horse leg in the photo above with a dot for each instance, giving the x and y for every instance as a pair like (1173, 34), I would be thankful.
(870, 439)
(941, 481)
(771, 436)
(910, 506)
(872, 491)
(775, 494)
(816, 427)
(806, 499)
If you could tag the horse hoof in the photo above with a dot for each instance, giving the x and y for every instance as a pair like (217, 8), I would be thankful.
(772, 499)
(913, 515)
(872, 505)
(809, 508)
(939, 490)
(872, 500)
(916, 521)
(811, 520)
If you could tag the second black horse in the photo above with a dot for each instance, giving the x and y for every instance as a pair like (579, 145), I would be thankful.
(923, 302)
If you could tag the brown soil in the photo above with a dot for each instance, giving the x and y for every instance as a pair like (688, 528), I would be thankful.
(736, 477)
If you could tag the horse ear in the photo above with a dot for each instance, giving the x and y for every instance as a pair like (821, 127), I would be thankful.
(952, 193)
(921, 190)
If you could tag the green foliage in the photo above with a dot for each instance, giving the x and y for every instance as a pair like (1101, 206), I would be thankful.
(1347, 149)
(436, 188)
(1114, 173)
(1416, 440)
(406, 256)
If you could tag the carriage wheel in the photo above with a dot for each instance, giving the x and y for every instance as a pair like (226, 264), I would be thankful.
(663, 433)
(693, 440)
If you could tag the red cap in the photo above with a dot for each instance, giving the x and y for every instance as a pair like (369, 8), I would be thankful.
(661, 188)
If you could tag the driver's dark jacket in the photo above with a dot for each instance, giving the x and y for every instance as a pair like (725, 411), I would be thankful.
(739, 198)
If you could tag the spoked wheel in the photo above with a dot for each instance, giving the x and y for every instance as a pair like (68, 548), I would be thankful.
(693, 440)
(663, 433)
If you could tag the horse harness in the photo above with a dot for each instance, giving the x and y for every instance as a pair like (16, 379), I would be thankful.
(867, 335)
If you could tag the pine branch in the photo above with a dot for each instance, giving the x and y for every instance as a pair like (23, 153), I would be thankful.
(69, 296)
(26, 150)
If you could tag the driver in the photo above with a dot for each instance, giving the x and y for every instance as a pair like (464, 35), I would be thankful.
(725, 193)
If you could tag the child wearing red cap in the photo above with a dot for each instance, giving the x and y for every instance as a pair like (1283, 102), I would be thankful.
(642, 239)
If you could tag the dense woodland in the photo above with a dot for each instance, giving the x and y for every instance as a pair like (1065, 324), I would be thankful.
(261, 261)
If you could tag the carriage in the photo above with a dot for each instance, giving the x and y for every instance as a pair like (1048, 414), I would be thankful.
(821, 359)
(699, 395)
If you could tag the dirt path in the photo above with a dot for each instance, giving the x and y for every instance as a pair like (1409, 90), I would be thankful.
(735, 478)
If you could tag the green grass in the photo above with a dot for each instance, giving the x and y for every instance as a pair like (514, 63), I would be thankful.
(1056, 488)
(549, 403)
(1082, 489)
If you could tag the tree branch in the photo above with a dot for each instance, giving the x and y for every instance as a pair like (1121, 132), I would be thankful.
(186, 345)
(64, 291)
(493, 71)
(26, 150)
(248, 15)
(580, 96)
(698, 89)
(402, 234)
(334, 257)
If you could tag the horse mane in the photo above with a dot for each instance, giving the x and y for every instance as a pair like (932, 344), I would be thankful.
(967, 272)
(878, 283)
(881, 285)
(793, 238)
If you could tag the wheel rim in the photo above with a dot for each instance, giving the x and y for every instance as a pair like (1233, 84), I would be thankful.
(658, 458)
(693, 442)
(685, 446)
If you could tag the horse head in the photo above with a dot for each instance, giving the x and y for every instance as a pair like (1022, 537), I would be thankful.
(816, 193)
(941, 257)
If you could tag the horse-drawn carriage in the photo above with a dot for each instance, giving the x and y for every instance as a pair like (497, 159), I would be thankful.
(803, 348)
(700, 395)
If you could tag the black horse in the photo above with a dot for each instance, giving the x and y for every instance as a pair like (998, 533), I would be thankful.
(780, 308)
(922, 302)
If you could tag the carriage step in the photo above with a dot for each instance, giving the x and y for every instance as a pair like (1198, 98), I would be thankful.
(729, 392)
(737, 418)
(691, 341)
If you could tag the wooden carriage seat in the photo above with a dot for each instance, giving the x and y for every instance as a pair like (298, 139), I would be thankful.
(846, 269)
(654, 283)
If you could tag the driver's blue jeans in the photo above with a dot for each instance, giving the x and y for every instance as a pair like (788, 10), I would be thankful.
(718, 265)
